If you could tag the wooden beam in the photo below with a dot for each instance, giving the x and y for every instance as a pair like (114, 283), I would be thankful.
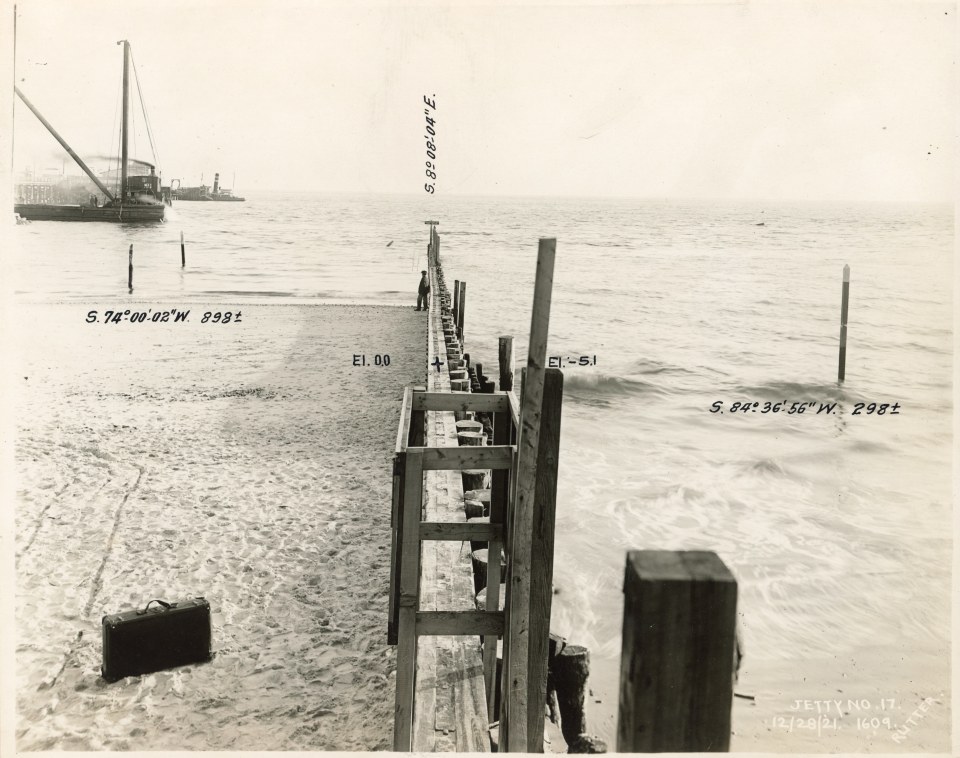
(541, 555)
(452, 623)
(676, 667)
(457, 531)
(446, 401)
(517, 640)
(514, 408)
(409, 602)
(499, 491)
(460, 458)
(396, 540)
(403, 432)
(418, 423)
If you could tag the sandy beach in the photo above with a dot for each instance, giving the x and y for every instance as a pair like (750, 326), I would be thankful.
(248, 463)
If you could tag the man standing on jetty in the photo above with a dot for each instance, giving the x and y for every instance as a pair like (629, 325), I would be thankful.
(423, 291)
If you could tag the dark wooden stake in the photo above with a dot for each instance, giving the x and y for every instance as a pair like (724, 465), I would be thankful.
(462, 309)
(506, 363)
(845, 301)
(571, 668)
(456, 301)
(130, 270)
(676, 666)
(183, 252)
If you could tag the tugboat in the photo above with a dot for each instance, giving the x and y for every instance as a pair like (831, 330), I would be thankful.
(140, 197)
(204, 193)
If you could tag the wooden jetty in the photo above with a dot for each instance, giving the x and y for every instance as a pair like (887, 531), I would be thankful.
(461, 584)
(448, 678)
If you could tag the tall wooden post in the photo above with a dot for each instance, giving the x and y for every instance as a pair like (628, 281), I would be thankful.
(845, 301)
(515, 727)
(456, 302)
(462, 310)
(676, 667)
(130, 270)
(506, 363)
(541, 554)
(183, 252)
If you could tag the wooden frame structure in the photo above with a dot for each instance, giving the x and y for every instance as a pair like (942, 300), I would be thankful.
(407, 622)
(521, 525)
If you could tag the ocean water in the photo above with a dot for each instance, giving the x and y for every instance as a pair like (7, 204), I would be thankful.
(837, 525)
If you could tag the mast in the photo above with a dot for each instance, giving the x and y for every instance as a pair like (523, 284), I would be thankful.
(126, 114)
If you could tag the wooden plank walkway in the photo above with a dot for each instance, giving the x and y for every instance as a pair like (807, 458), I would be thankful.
(450, 712)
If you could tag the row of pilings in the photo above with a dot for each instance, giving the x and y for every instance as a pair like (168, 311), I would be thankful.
(568, 665)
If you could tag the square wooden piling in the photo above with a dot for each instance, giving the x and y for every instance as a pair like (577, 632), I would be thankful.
(676, 668)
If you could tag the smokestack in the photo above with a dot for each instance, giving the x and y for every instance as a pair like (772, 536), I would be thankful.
(216, 183)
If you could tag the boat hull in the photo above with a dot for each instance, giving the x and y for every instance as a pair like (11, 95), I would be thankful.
(110, 213)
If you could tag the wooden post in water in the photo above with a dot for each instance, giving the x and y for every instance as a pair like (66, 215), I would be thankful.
(456, 302)
(514, 718)
(506, 363)
(462, 310)
(845, 301)
(183, 252)
(541, 554)
(571, 668)
(130, 270)
(676, 666)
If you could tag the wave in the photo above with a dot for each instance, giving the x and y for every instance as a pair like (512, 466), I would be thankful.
(599, 388)
(796, 392)
(645, 366)
(249, 293)
(765, 467)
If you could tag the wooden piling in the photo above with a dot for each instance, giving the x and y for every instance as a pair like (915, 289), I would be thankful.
(480, 560)
(506, 363)
(845, 300)
(569, 674)
(462, 309)
(541, 552)
(676, 666)
(456, 300)
(471, 439)
(522, 735)
(474, 509)
(130, 270)
(183, 252)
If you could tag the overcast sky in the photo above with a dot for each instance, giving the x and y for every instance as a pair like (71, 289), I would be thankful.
(742, 100)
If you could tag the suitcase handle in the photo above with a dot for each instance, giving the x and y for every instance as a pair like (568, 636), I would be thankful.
(147, 607)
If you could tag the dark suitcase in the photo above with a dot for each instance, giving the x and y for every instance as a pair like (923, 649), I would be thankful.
(151, 639)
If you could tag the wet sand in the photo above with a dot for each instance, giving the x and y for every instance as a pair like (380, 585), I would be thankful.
(248, 463)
